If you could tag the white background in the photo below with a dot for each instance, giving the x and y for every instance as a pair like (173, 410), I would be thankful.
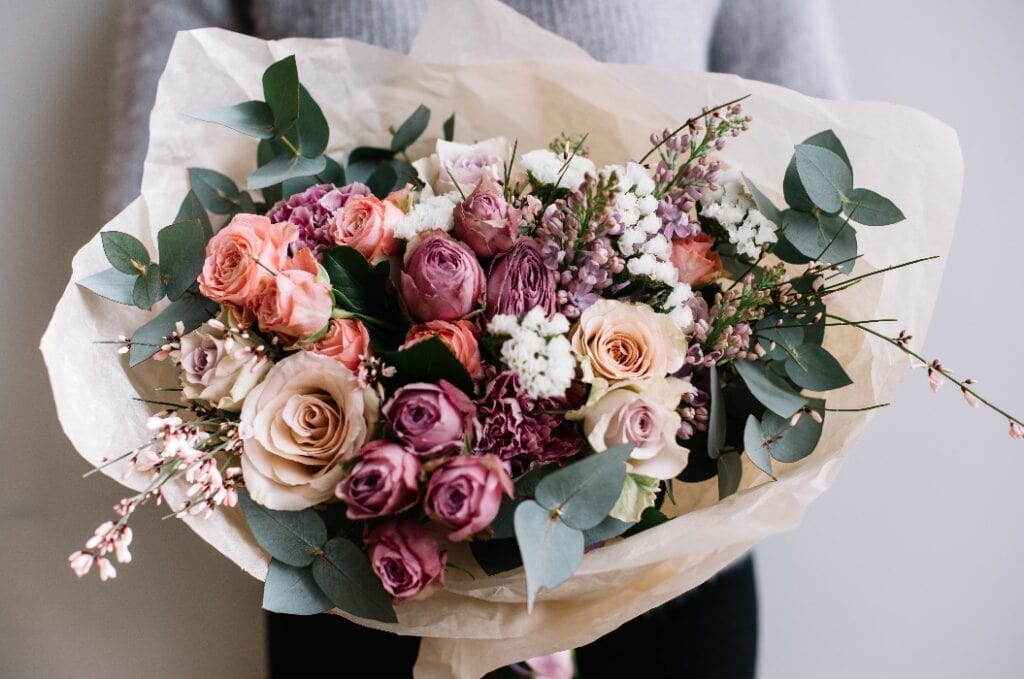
(910, 566)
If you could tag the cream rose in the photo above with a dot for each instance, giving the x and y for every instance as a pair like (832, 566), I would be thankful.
(307, 417)
(644, 414)
(213, 373)
(467, 164)
(619, 341)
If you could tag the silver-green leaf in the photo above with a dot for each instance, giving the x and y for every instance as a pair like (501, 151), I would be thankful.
(111, 284)
(550, 549)
(344, 574)
(871, 209)
(293, 590)
(291, 537)
(125, 252)
(814, 368)
(770, 389)
(756, 444)
(825, 177)
(583, 493)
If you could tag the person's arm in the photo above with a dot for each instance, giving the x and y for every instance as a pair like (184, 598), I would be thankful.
(786, 42)
(147, 32)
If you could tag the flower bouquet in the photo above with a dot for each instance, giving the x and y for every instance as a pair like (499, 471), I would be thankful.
(506, 381)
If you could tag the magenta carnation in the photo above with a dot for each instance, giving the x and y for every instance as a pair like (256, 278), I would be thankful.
(312, 210)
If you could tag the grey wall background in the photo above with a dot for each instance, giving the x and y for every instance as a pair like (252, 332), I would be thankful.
(908, 567)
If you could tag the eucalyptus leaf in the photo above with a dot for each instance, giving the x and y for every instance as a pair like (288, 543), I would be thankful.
(827, 139)
(383, 180)
(191, 310)
(755, 444)
(291, 537)
(503, 525)
(764, 204)
(787, 252)
(192, 208)
(826, 178)
(771, 390)
(252, 118)
(429, 360)
(125, 252)
(410, 130)
(217, 192)
(785, 339)
(551, 551)
(448, 129)
(730, 473)
(794, 442)
(826, 238)
(281, 92)
(344, 574)
(649, 519)
(293, 590)
(583, 493)
(111, 284)
(496, 555)
(609, 528)
(284, 167)
(149, 288)
(871, 209)
(816, 369)
(793, 191)
(716, 419)
(311, 132)
(182, 254)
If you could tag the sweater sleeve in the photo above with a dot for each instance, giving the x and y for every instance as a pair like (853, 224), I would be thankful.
(147, 30)
(786, 42)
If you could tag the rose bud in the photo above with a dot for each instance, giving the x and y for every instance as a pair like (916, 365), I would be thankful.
(519, 281)
(465, 493)
(406, 558)
(347, 341)
(295, 303)
(430, 418)
(485, 221)
(384, 481)
(697, 262)
(442, 280)
(367, 224)
(458, 336)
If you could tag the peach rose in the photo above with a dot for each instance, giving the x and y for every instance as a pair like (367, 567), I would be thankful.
(242, 256)
(619, 341)
(367, 224)
(458, 336)
(299, 426)
(297, 302)
(346, 341)
(697, 262)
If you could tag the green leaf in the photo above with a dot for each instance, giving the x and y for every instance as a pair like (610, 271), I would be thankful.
(825, 176)
(191, 310)
(358, 284)
(793, 190)
(496, 555)
(405, 173)
(816, 369)
(764, 205)
(609, 528)
(148, 288)
(755, 444)
(771, 390)
(871, 209)
(252, 118)
(427, 361)
(796, 442)
(311, 132)
(364, 160)
(217, 192)
(344, 574)
(551, 551)
(111, 284)
(182, 253)
(716, 419)
(649, 519)
(125, 253)
(825, 238)
(730, 473)
(787, 252)
(448, 129)
(285, 166)
(583, 493)
(827, 139)
(503, 525)
(383, 181)
(409, 131)
(291, 537)
(786, 339)
(191, 208)
(292, 590)
(281, 92)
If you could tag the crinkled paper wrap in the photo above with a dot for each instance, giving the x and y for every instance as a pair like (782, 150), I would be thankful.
(502, 74)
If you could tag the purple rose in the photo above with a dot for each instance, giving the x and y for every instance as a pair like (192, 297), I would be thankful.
(430, 418)
(442, 280)
(312, 211)
(523, 431)
(406, 558)
(485, 221)
(383, 481)
(519, 281)
(464, 494)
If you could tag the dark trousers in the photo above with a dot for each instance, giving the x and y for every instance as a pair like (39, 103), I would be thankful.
(708, 633)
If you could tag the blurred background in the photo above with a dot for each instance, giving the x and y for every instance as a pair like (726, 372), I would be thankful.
(908, 567)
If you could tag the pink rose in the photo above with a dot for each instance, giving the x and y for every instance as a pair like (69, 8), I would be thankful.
(485, 221)
(295, 303)
(430, 418)
(458, 336)
(519, 280)
(406, 558)
(347, 342)
(367, 224)
(442, 280)
(464, 494)
(241, 256)
(384, 481)
(697, 262)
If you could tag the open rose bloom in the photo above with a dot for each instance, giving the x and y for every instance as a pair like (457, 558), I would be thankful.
(480, 60)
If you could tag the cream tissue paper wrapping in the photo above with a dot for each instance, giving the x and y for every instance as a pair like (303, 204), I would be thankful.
(503, 75)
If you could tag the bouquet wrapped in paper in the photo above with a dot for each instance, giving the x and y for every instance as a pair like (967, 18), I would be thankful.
(493, 344)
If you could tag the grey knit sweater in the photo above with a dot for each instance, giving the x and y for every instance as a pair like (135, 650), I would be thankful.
(789, 42)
